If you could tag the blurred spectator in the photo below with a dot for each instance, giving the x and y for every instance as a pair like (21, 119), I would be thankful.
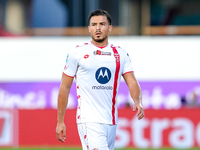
(12, 17)
(192, 98)
(4, 32)
(183, 101)
(175, 12)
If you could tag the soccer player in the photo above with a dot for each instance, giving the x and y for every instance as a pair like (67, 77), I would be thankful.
(97, 67)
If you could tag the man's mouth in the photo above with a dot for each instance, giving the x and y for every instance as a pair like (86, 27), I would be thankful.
(98, 33)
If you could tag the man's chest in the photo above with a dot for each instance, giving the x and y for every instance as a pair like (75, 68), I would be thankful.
(95, 59)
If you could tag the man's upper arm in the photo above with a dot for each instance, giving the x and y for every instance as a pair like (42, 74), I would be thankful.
(66, 81)
(130, 79)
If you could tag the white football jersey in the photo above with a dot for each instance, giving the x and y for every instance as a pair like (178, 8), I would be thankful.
(97, 71)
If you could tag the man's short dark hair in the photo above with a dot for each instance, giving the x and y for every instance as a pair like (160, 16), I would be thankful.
(100, 12)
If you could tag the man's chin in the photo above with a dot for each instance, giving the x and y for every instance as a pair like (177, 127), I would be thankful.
(99, 40)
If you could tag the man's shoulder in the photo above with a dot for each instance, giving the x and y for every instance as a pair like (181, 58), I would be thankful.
(78, 48)
(83, 45)
(118, 48)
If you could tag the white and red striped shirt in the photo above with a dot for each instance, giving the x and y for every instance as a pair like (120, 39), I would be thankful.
(97, 71)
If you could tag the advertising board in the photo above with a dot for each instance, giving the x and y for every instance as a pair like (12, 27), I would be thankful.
(159, 128)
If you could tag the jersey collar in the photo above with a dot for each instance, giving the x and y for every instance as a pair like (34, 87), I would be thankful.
(101, 47)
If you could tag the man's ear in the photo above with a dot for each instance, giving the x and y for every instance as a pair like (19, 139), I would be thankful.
(89, 28)
(110, 28)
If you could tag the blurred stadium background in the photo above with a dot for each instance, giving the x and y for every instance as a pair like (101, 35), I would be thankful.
(162, 38)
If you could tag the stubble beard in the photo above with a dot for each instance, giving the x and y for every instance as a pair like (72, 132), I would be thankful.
(100, 40)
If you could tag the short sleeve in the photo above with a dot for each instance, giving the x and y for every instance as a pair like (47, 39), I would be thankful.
(127, 64)
(71, 64)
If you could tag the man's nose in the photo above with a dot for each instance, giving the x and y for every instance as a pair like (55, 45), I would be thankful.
(98, 27)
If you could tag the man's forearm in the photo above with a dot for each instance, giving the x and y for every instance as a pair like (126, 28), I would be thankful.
(62, 103)
(136, 93)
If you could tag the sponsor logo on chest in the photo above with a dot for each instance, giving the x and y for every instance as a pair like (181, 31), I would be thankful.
(103, 76)
(98, 52)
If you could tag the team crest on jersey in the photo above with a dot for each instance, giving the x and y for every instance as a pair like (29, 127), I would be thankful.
(98, 52)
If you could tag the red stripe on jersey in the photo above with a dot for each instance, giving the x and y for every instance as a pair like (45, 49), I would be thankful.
(127, 72)
(117, 58)
(68, 75)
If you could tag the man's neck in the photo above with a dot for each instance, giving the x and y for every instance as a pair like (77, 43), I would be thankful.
(100, 44)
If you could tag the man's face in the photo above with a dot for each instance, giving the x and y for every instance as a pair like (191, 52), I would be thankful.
(99, 28)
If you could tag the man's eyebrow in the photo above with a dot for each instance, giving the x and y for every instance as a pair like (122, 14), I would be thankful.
(99, 22)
